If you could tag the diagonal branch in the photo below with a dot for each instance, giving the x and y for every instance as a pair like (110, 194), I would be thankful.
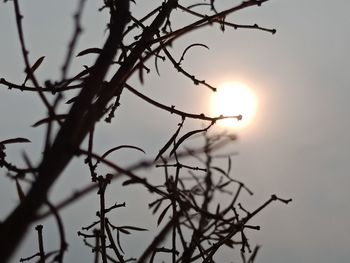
(172, 109)
(61, 152)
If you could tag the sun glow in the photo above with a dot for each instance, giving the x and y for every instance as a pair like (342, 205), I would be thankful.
(232, 99)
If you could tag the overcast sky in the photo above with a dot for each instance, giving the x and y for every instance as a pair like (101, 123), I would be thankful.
(297, 146)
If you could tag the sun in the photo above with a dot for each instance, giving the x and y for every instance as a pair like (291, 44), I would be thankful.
(232, 99)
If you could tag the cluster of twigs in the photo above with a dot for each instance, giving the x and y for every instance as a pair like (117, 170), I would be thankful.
(194, 231)
(198, 223)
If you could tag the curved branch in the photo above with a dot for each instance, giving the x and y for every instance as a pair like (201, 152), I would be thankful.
(172, 109)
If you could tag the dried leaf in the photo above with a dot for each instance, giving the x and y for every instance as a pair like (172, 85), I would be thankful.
(183, 138)
(167, 145)
(133, 228)
(130, 181)
(157, 202)
(190, 46)
(20, 192)
(78, 76)
(118, 241)
(49, 119)
(89, 51)
(72, 100)
(164, 249)
(120, 147)
(141, 73)
(253, 255)
(156, 57)
(15, 140)
(229, 243)
(229, 165)
(124, 231)
(217, 209)
(163, 214)
(157, 207)
(224, 184)
(219, 170)
(33, 68)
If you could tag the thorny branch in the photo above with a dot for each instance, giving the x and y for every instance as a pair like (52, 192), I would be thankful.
(198, 225)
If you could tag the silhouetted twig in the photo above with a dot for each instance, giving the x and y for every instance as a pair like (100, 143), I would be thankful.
(193, 225)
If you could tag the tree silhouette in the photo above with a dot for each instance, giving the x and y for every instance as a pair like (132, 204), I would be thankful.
(198, 226)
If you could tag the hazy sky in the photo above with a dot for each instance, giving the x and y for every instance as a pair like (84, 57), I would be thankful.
(298, 145)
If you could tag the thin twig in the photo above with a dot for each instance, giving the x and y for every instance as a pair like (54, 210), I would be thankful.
(25, 52)
(172, 109)
(74, 40)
